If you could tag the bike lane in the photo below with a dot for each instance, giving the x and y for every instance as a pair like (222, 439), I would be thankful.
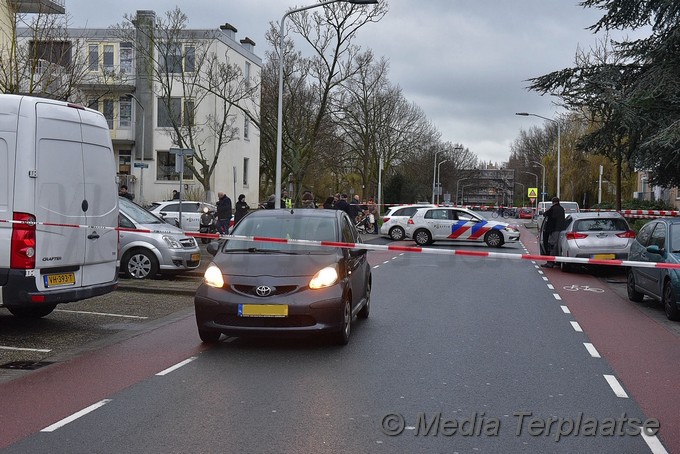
(644, 354)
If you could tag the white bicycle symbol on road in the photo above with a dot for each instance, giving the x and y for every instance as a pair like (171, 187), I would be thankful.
(585, 288)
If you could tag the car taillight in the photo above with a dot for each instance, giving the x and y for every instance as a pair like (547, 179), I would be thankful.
(576, 236)
(386, 219)
(22, 255)
(627, 234)
(410, 221)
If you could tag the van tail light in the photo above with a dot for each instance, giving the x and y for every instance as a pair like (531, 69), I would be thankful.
(576, 235)
(22, 255)
(410, 221)
(627, 234)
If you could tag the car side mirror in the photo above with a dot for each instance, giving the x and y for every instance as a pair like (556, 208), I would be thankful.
(357, 252)
(654, 249)
(214, 247)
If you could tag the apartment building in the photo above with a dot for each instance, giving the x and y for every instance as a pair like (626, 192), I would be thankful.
(155, 103)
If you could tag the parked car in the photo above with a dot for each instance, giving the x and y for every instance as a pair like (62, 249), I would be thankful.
(191, 212)
(526, 213)
(428, 225)
(658, 242)
(256, 288)
(394, 221)
(597, 235)
(164, 249)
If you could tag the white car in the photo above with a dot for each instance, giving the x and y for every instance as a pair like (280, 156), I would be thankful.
(191, 212)
(394, 221)
(432, 224)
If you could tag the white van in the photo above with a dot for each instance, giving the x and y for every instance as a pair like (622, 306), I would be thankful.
(58, 205)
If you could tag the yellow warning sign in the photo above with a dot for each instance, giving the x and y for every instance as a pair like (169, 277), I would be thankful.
(533, 192)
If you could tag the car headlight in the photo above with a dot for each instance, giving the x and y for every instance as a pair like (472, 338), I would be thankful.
(213, 276)
(172, 242)
(324, 278)
(511, 228)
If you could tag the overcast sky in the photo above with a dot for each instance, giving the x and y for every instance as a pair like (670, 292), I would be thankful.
(464, 62)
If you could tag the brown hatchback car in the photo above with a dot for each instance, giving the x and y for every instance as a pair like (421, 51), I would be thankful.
(260, 288)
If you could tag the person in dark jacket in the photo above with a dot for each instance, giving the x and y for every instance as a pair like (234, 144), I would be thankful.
(344, 206)
(554, 223)
(241, 208)
(329, 204)
(223, 213)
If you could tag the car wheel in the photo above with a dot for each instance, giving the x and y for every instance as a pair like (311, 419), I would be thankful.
(670, 305)
(209, 336)
(363, 313)
(31, 312)
(422, 237)
(342, 337)
(397, 233)
(633, 294)
(139, 264)
(494, 239)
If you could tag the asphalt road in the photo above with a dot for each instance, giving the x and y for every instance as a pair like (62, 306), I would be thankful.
(480, 343)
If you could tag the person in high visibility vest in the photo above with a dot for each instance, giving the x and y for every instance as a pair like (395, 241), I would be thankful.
(286, 202)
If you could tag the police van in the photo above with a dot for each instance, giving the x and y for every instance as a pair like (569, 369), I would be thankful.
(58, 205)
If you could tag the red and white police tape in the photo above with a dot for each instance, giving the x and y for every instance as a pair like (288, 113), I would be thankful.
(377, 247)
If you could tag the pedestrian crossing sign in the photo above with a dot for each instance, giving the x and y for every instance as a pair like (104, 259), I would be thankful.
(533, 192)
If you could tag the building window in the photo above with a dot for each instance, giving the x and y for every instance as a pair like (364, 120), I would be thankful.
(93, 59)
(124, 162)
(108, 58)
(188, 116)
(126, 58)
(169, 114)
(189, 59)
(108, 112)
(165, 167)
(246, 74)
(245, 171)
(246, 128)
(171, 57)
(125, 108)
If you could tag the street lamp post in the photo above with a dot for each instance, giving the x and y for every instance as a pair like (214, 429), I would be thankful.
(542, 181)
(462, 193)
(434, 173)
(521, 201)
(279, 120)
(526, 114)
(458, 183)
(438, 179)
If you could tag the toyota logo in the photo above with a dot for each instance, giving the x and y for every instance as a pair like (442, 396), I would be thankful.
(263, 290)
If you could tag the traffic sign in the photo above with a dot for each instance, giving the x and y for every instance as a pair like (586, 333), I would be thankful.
(533, 199)
(532, 192)
(143, 165)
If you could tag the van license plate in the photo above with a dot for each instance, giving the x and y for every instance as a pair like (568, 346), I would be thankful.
(56, 280)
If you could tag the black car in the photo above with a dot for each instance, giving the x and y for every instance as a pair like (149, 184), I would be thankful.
(259, 288)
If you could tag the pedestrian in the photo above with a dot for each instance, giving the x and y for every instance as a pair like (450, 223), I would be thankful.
(344, 206)
(329, 203)
(241, 208)
(175, 194)
(286, 202)
(123, 192)
(355, 207)
(373, 215)
(553, 224)
(271, 202)
(308, 199)
(223, 213)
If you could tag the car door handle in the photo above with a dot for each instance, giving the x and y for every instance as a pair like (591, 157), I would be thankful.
(93, 236)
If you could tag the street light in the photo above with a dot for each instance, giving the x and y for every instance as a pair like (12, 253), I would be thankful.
(523, 192)
(434, 173)
(279, 121)
(462, 193)
(457, 188)
(531, 173)
(439, 189)
(543, 180)
(526, 114)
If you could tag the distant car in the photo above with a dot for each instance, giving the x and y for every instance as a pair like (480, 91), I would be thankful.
(428, 225)
(657, 242)
(597, 235)
(257, 288)
(394, 221)
(191, 212)
(526, 213)
(165, 249)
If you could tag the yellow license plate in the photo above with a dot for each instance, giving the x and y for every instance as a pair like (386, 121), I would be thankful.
(262, 310)
(55, 280)
(604, 256)
(195, 257)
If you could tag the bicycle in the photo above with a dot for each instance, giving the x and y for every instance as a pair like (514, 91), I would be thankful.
(503, 212)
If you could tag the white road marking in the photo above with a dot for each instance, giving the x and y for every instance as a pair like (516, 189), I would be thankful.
(545, 278)
(20, 349)
(654, 444)
(565, 309)
(557, 297)
(376, 266)
(551, 287)
(592, 350)
(176, 366)
(616, 387)
(576, 327)
(75, 416)
(386, 262)
(102, 313)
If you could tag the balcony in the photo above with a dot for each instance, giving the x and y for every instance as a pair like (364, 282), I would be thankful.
(38, 6)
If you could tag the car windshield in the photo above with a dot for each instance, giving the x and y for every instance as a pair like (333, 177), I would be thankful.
(675, 237)
(137, 213)
(284, 226)
(600, 224)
